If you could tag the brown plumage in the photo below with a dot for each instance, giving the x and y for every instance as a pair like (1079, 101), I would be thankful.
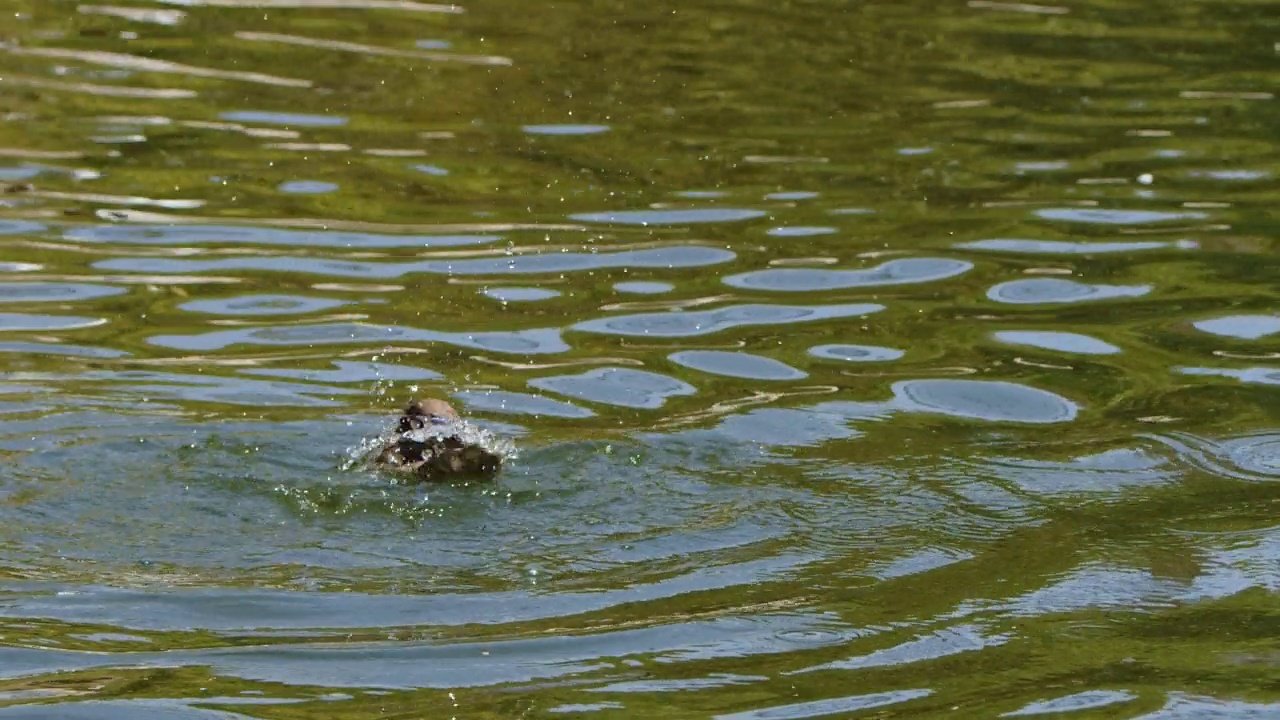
(435, 457)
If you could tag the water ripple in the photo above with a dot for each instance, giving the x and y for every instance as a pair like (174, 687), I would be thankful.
(667, 258)
(1245, 327)
(518, 403)
(943, 643)
(644, 287)
(565, 129)
(23, 321)
(1059, 341)
(237, 610)
(736, 364)
(55, 292)
(159, 17)
(46, 348)
(100, 90)
(219, 389)
(722, 506)
(535, 341)
(282, 118)
(996, 401)
(800, 231)
(1256, 375)
(706, 322)
(306, 187)
(1116, 217)
(142, 709)
(832, 706)
(622, 387)
(1094, 587)
(856, 353)
(799, 427)
(520, 294)
(1087, 700)
(1062, 247)
(1052, 290)
(145, 64)
(20, 227)
(366, 49)
(1185, 706)
(248, 234)
(256, 305)
(669, 217)
(1253, 457)
(1107, 472)
(348, 371)
(894, 272)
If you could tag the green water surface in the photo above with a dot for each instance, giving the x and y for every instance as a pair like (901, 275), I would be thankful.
(865, 359)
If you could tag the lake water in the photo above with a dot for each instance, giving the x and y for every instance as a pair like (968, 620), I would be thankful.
(865, 359)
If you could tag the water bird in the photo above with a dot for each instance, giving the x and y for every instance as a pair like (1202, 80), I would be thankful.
(432, 442)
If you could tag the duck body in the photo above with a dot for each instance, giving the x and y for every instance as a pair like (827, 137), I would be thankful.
(429, 442)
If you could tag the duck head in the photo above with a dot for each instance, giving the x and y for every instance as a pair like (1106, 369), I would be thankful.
(426, 411)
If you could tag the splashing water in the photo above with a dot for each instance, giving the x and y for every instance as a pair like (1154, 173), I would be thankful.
(360, 456)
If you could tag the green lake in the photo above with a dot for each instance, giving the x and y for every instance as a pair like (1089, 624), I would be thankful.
(864, 359)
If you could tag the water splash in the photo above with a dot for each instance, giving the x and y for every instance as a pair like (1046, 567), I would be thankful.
(361, 455)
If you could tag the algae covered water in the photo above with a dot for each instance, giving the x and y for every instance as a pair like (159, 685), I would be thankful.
(879, 359)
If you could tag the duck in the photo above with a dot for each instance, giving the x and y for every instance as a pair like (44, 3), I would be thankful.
(426, 443)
